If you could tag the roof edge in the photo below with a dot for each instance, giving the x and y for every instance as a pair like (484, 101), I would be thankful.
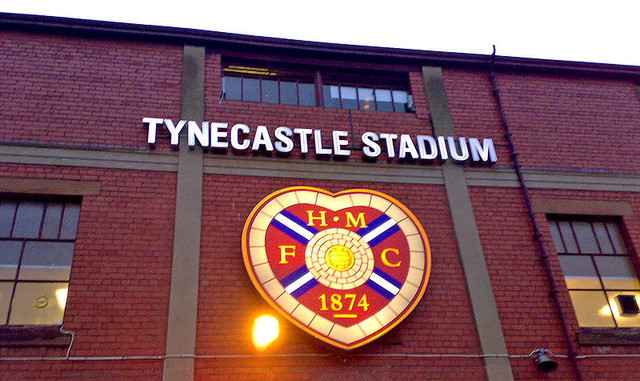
(112, 29)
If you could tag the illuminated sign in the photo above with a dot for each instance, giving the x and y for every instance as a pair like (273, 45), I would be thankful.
(344, 267)
(284, 140)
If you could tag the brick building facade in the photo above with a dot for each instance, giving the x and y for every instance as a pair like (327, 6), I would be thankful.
(535, 250)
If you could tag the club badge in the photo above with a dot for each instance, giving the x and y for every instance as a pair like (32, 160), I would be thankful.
(344, 267)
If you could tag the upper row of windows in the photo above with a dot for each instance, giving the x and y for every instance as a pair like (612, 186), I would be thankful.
(284, 86)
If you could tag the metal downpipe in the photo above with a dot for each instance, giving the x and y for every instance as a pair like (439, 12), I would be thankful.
(536, 230)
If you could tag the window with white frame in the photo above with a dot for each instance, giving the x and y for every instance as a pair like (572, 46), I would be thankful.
(349, 89)
(367, 98)
(599, 271)
(37, 239)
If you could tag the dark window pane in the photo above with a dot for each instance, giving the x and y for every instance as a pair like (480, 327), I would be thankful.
(383, 100)
(400, 100)
(7, 212)
(251, 89)
(579, 272)
(331, 96)
(288, 93)
(555, 234)
(616, 237)
(349, 98)
(9, 257)
(270, 92)
(586, 238)
(28, 219)
(365, 99)
(567, 236)
(52, 219)
(307, 94)
(46, 260)
(603, 238)
(70, 221)
(617, 273)
(231, 87)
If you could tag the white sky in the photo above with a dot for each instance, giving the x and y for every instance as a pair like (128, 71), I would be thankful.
(591, 31)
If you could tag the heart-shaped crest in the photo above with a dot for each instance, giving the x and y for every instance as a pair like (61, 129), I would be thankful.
(344, 267)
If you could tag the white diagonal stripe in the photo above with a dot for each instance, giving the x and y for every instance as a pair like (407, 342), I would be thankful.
(379, 230)
(293, 226)
(299, 283)
(380, 281)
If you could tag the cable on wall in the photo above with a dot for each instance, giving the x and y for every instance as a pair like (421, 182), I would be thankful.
(289, 355)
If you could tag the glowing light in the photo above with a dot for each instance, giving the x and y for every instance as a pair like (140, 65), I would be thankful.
(605, 311)
(608, 310)
(265, 331)
(61, 295)
(249, 70)
(614, 308)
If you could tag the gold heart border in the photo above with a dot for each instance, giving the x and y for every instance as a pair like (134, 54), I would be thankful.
(269, 287)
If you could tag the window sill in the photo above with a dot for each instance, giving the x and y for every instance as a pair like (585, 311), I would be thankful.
(609, 336)
(32, 336)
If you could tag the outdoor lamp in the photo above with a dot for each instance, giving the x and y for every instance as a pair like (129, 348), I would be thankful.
(265, 331)
(545, 363)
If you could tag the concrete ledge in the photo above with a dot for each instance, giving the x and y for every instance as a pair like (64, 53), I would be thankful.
(539, 179)
(31, 336)
(49, 187)
(316, 169)
(135, 160)
(609, 336)
(585, 207)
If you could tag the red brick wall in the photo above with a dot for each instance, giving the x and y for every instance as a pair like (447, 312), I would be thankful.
(119, 290)
(442, 323)
(573, 122)
(85, 92)
(474, 109)
(520, 283)
(560, 122)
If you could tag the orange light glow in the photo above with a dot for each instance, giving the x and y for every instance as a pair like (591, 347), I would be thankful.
(265, 331)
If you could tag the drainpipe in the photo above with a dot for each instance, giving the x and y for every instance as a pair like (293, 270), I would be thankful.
(536, 230)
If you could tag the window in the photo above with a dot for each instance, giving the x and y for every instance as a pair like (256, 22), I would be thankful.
(37, 240)
(353, 90)
(366, 98)
(598, 270)
(256, 84)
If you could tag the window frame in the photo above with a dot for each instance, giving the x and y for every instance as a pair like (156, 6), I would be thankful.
(603, 288)
(407, 106)
(321, 78)
(280, 83)
(66, 204)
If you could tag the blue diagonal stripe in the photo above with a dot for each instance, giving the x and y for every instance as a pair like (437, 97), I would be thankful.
(379, 286)
(299, 221)
(387, 277)
(290, 232)
(382, 235)
(294, 276)
(301, 288)
(306, 287)
(374, 286)
(387, 233)
(373, 224)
